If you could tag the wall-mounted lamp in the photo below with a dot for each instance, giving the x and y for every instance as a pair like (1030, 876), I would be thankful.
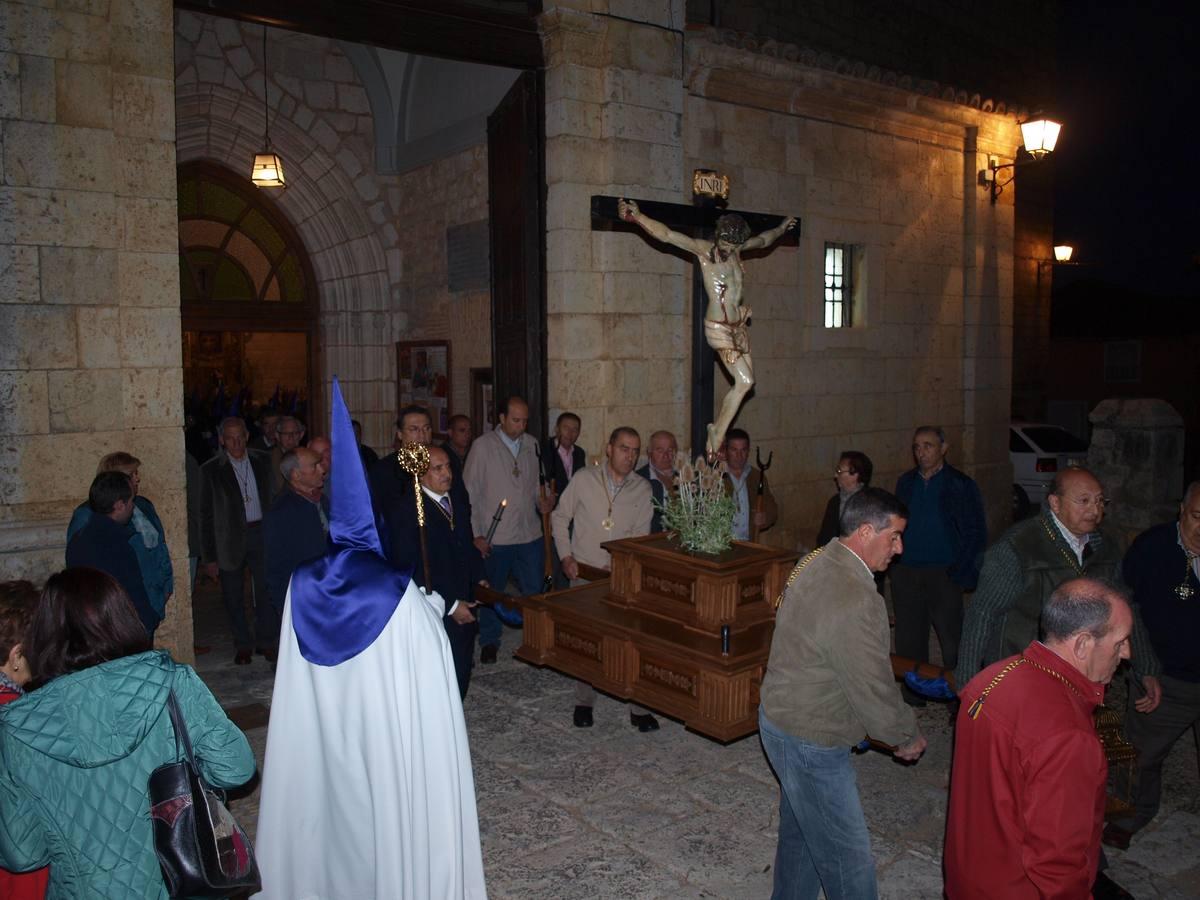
(1062, 253)
(267, 170)
(1040, 136)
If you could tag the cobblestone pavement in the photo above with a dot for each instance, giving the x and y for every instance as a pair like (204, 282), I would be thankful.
(609, 812)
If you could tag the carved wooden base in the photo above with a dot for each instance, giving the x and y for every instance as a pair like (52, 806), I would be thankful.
(652, 634)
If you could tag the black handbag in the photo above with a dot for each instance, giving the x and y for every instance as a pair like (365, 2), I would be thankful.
(202, 850)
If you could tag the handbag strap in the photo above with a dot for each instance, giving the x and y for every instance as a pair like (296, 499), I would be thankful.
(181, 732)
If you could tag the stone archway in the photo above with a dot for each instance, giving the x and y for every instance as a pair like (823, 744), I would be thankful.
(343, 235)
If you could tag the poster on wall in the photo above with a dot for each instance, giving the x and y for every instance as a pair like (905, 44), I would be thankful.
(423, 378)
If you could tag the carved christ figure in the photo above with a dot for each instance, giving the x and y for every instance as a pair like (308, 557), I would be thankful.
(725, 318)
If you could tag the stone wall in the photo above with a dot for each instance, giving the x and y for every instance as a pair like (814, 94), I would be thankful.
(618, 308)
(863, 164)
(892, 172)
(89, 294)
(377, 242)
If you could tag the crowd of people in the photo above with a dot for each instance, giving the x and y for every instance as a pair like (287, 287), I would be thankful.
(1032, 626)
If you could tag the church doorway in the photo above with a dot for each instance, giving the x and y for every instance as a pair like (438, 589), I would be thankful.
(248, 301)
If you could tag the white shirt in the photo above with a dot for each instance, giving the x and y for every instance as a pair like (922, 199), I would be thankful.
(244, 473)
(1075, 543)
(437, 498)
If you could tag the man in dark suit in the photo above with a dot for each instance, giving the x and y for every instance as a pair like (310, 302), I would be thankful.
(455, 566)
(234, 493)
(659, 470)
(389, 483)
(561, 457)
(296, 527)
(103, 543)
(369, 456)
(458, 443)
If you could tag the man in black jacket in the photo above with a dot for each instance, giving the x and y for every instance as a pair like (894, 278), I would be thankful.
(455, 566)
(561, 456)
(659, 470)
(235, 491)
(103, 543)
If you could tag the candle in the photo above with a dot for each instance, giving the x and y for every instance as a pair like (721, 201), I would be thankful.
(496, 519)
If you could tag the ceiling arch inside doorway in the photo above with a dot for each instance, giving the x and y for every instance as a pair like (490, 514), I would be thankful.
(424, 107)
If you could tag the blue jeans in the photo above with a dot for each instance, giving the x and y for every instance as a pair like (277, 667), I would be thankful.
(524, 563)
(823, 839)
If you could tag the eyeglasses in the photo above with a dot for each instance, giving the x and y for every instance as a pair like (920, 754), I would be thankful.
(840, 471)
(1099, 502)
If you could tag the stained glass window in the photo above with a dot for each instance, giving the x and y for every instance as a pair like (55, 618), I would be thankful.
(233, 246)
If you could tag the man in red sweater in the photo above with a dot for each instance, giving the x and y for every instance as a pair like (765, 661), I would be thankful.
(1027, 787)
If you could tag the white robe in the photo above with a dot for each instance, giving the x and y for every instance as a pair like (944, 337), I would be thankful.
(367, 790)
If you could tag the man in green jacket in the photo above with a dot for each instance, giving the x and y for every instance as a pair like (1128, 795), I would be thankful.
(829, 683)
(1031, 559)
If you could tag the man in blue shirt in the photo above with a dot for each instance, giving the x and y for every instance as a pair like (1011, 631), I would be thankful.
(943, 550)
(103, 543)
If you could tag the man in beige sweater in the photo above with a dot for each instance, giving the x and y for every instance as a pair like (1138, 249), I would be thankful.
(503, 465)
(606, 503)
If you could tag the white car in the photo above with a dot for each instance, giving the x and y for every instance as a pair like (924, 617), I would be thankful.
(1038, 452)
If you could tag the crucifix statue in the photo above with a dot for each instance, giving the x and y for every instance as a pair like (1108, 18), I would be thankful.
(725, 318)
(719, 292)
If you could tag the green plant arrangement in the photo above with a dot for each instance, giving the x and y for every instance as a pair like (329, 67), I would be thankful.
(699, 510)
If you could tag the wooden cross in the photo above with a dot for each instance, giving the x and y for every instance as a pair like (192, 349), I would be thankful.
(697, 221)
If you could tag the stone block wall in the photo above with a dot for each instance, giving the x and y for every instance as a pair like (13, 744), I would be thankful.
(377, 242)
(618, 308)
(89, 295)
(868, 165)
(859, 162)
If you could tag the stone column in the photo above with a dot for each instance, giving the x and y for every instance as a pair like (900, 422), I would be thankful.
(616, 306)
(1137, 453)
(89, 285)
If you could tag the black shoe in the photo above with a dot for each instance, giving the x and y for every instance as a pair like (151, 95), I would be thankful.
(243, 658)
(1107, 889)
(911, 697)
(643, 723)
(269, 653)
(1116, 836)
(487, 654)
(583, 717)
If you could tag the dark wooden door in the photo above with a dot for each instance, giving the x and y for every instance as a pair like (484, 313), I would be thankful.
(516, 195)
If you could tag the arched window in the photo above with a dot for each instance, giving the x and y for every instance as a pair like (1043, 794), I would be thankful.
(248, 299)
(234, 245)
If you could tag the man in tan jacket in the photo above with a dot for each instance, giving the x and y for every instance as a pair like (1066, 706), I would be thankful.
(828, 684)
(606, 503)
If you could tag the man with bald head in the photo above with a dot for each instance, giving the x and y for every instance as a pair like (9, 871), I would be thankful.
(1028, 562)
(1028, 781)
(296, 527)
(1162, 568)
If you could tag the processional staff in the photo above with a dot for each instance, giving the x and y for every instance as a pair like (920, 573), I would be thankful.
(414, 459)
(759, 500)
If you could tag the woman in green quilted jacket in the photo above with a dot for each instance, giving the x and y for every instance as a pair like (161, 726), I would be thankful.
(77, 750)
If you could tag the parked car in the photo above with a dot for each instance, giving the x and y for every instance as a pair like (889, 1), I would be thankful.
(1037, 452)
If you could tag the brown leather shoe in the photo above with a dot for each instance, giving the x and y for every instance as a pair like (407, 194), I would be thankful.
(243, 658)
(1116, 836)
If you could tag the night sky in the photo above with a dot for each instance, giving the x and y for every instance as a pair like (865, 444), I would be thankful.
(1127, 170)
